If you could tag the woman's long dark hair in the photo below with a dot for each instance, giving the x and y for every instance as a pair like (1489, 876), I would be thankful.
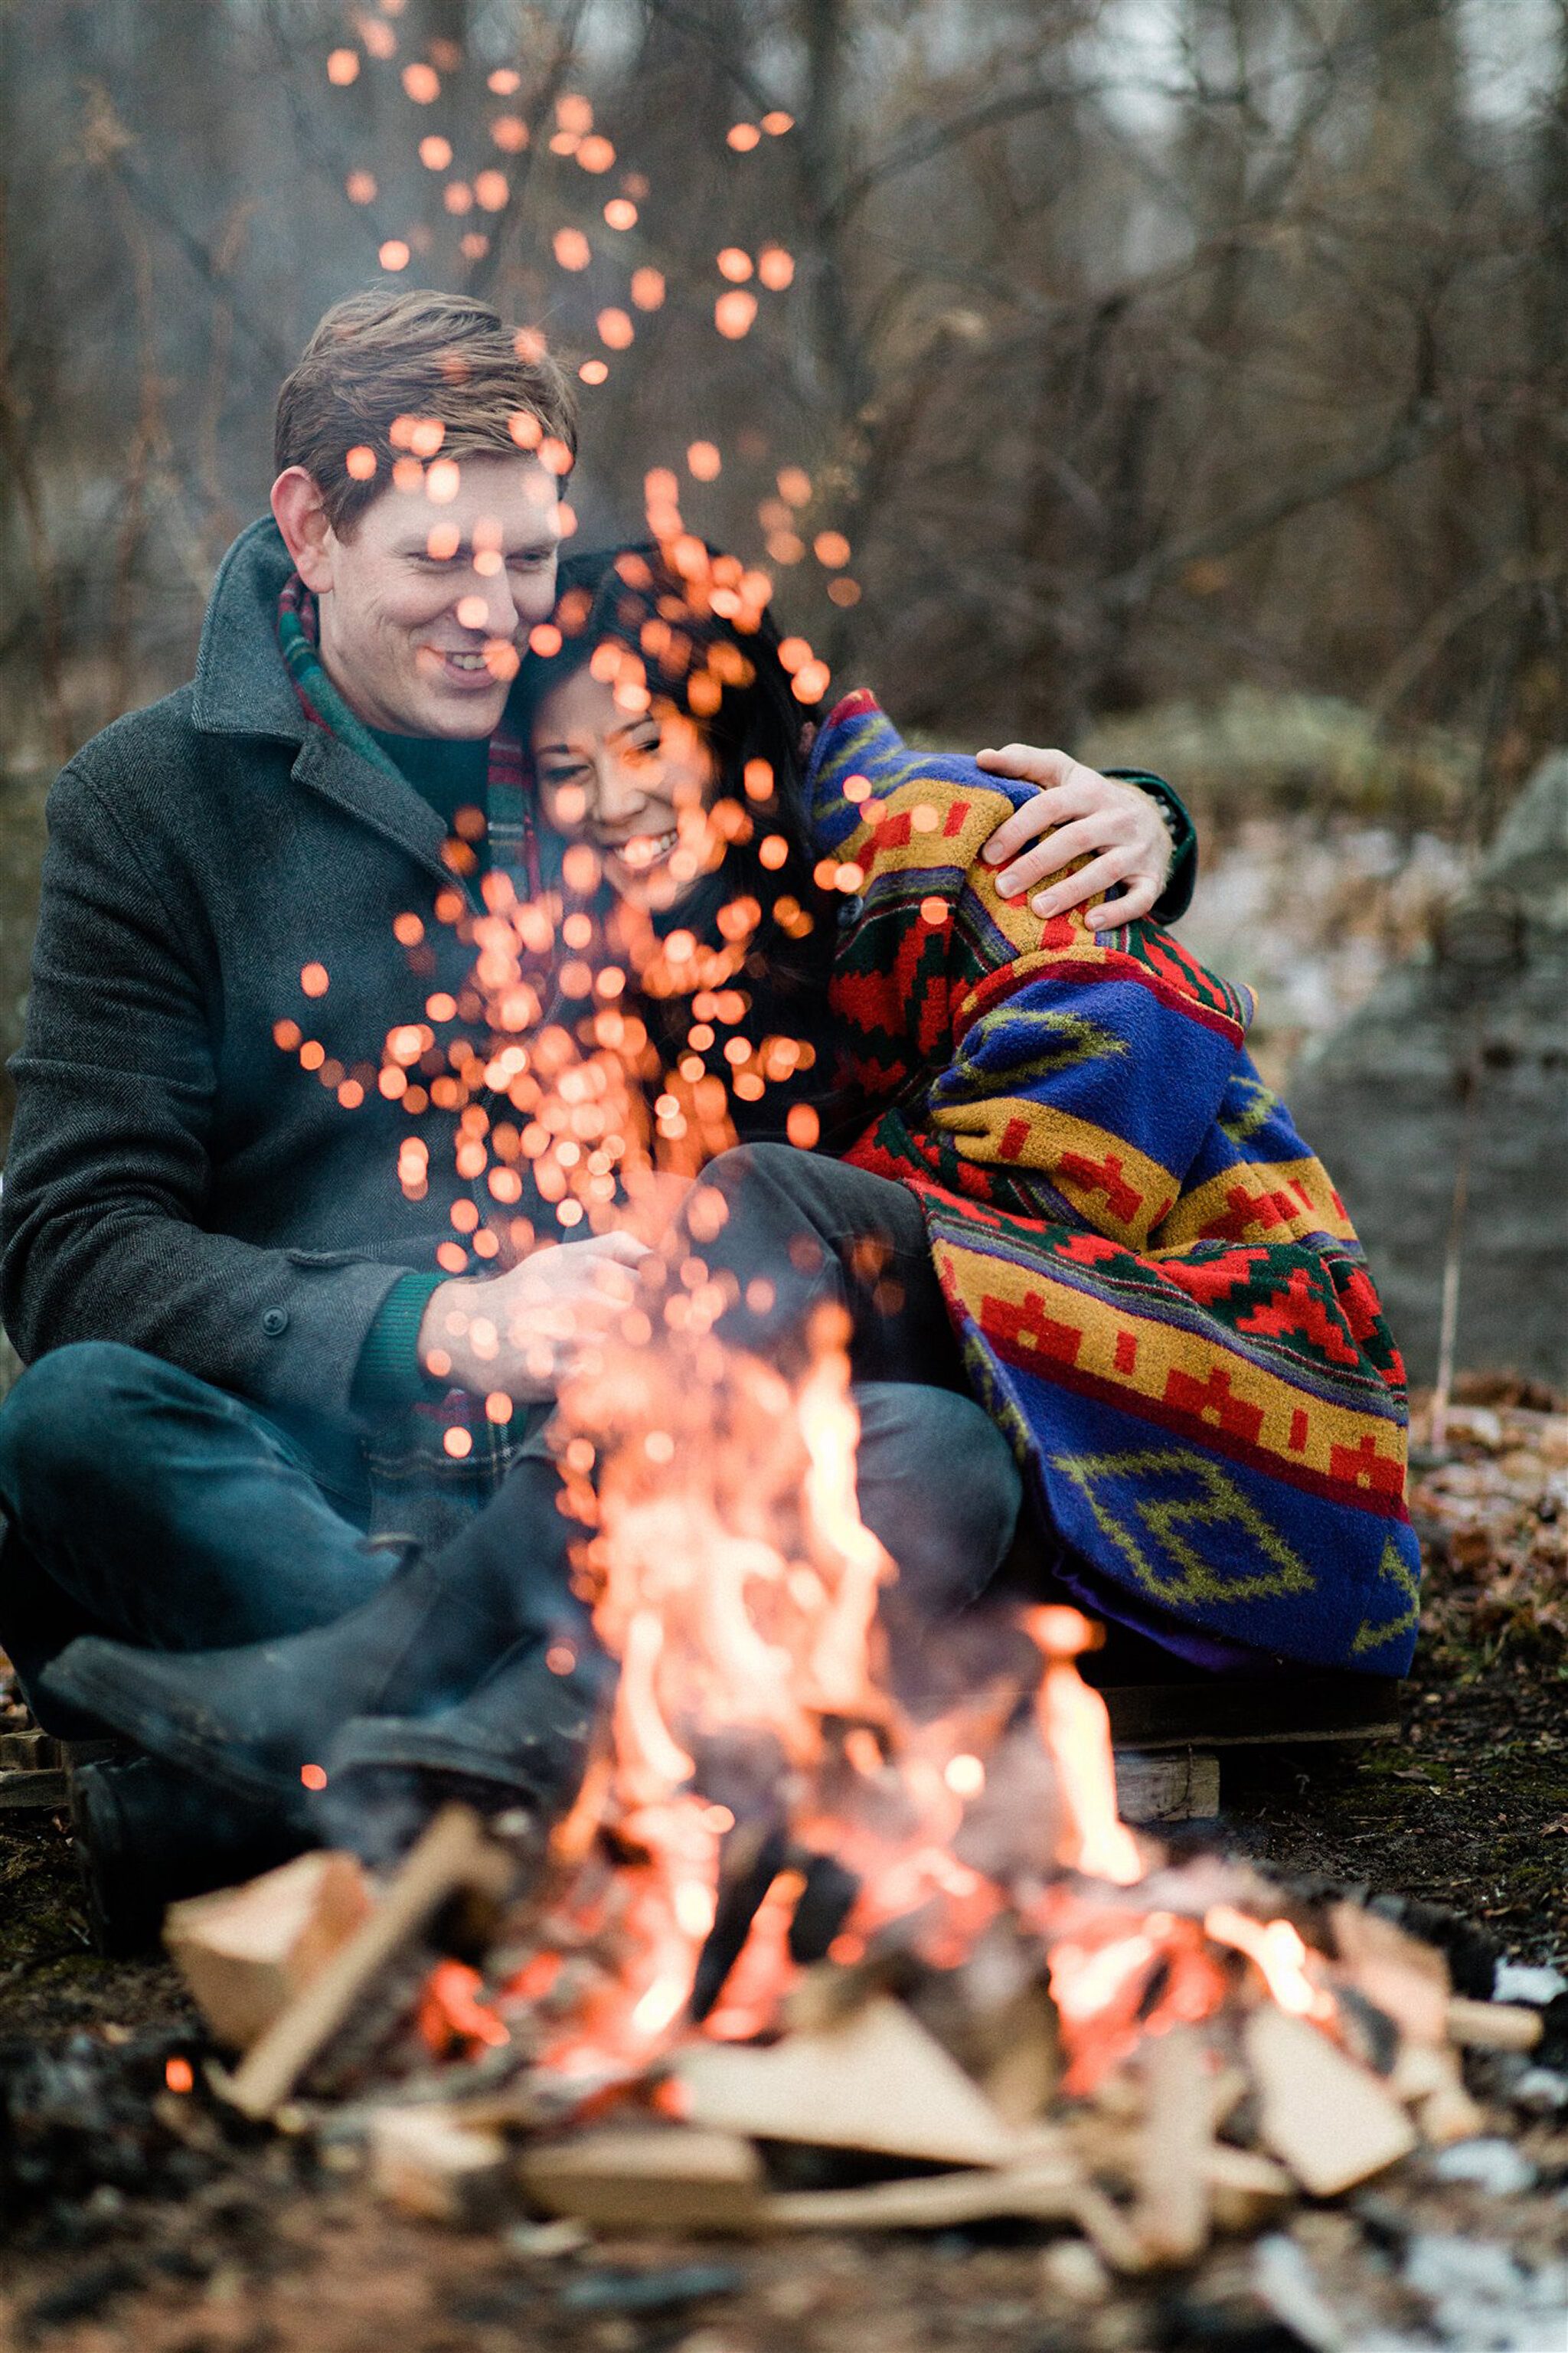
(686, 625)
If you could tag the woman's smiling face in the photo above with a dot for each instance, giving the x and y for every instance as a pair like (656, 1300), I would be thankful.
(635, 785)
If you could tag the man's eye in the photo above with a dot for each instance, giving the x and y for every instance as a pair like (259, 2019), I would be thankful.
(531, 559)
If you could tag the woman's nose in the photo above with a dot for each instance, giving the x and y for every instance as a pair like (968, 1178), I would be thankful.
(620, 791)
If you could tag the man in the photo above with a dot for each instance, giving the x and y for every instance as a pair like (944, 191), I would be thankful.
(227, 1296)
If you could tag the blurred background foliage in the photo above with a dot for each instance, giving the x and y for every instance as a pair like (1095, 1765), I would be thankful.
(1177, 378)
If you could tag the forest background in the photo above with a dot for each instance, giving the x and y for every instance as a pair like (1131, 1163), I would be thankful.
(1177, 378)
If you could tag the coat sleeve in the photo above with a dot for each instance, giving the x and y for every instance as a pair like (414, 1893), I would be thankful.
(1080, 1072)
(102, 1232)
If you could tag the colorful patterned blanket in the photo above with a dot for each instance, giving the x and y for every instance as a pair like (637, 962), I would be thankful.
(1156, 1287)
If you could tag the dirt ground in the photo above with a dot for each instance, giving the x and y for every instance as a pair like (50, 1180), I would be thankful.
(181, 2240)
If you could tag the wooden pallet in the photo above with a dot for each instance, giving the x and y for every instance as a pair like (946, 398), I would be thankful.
(35, 1769)
(1235, 1712)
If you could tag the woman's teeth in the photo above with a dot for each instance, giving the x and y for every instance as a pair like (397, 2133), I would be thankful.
(646, 848)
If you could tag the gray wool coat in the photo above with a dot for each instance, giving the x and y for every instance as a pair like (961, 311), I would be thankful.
(175, 1180)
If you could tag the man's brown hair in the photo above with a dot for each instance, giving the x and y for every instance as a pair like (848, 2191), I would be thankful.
(380, 365)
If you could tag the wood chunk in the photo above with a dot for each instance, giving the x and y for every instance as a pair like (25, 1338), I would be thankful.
(1449, 2114)
(1112, 2233)
(1419, 2070)
(1493, 2025)
(452, 1853)
(1179, 1787)
(1172, 2211)
(878, 2081)
(245, 1952)
(1245, 2187)
(1406, 1978)
(671, 2176)
(423, 2161)
(1331, 2122)
(1039, 2192)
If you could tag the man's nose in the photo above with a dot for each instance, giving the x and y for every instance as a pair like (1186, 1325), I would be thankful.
(488, 604)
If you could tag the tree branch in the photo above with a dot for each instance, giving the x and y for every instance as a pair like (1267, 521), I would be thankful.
(1411, 439)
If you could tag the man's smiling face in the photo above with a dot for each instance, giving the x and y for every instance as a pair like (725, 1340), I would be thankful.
(424, 606)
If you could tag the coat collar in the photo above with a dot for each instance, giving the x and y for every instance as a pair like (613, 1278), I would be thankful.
(241, 685)
(243, 688)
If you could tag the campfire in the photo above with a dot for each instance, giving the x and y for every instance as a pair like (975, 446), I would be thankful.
(830, 1938)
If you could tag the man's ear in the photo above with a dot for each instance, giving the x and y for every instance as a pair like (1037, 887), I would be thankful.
(307, 530)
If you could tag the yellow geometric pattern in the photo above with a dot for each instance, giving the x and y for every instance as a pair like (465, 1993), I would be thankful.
(1137, 1354)
(1376, 1631)
(1258, 1201)
(1120, 1191)
(1215, 1500)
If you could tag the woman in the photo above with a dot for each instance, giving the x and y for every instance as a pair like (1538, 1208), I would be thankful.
(1052, 1187)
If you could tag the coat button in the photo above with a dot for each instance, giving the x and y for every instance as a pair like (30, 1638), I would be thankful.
(275, 1319)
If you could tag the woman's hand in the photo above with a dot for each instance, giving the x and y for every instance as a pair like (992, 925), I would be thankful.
(1079, 812)
(518, 1332)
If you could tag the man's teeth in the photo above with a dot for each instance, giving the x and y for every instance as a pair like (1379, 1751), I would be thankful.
(469, 661)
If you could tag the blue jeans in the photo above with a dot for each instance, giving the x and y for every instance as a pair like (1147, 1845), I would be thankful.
(146, 1505)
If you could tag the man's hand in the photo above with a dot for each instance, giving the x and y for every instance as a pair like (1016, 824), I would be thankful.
(517, 1332)
(1079, 811)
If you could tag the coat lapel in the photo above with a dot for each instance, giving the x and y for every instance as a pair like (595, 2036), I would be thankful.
(388, 804)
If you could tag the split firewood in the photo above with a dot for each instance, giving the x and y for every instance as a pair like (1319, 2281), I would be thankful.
(1244, 2186)
(246, 1952)
(676, 2177)
(426, 2161)
(1403, 1975)
(1111, 2230)
(1329, 2121)
(1039, 2192)
(1436, 2093)
(1493, 2025)
(1419, 2070)
(1172, 2211)
(452, 1853)
(876, 2082)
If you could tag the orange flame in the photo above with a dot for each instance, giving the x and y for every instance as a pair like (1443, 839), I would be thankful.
(1075, 1726)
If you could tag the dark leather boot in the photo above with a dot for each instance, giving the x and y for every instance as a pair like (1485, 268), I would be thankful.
(255, 1716)
(519, 1744)
(146, 1834)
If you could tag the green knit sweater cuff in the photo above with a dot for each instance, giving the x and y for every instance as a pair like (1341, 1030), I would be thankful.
(1177, 895)
(389, 1372)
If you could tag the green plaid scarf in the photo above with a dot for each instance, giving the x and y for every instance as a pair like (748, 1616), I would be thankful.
(508, 817)
(409, 1458)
